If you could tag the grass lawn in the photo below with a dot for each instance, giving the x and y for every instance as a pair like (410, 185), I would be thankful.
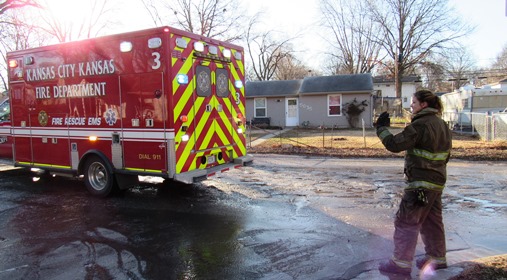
(356, 143)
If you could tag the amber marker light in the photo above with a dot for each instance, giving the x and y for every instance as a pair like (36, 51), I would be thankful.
(13, 63)
(183, 118)
(92, 138)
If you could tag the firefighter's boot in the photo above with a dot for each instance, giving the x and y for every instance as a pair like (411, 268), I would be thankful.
(434, 263)
(391, 267)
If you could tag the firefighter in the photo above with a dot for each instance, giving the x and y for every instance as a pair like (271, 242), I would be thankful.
(427, 142)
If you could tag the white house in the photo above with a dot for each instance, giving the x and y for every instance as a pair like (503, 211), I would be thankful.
(385, 86)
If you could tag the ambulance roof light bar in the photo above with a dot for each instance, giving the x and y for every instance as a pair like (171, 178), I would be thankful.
(199, 46)
(154, 43)
(226, 53)
(126, 46)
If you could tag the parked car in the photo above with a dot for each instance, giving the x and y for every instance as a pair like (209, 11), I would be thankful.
(5, 130)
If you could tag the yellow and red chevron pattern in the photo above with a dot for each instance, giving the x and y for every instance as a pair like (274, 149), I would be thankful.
(213, 123)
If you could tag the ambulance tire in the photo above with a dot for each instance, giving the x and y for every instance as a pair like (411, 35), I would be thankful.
(99, 180)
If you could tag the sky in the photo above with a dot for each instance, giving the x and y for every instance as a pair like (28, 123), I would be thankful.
(488, 16)
(292, 18)
(490, 20)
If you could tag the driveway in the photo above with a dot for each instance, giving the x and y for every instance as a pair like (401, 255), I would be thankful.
(285, 217)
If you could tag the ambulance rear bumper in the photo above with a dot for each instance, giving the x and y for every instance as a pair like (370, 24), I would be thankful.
(199, 175)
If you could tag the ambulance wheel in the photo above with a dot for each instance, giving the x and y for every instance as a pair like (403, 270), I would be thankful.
(98, 179)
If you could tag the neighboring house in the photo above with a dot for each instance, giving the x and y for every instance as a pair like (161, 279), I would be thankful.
(468, 99)
(386, 87)
(313, 101)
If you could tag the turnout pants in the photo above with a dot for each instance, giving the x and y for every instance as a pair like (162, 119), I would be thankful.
(413, 218)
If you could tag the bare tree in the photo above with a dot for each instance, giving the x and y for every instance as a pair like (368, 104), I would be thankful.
(87, 23)
(211, 18)
(353, 50)
(266, 54)
(15, 33)
(501, 59)
(411, 29)
(433, 75)
(459, 66)
(290, 68)
(498, 70)
(15, 4)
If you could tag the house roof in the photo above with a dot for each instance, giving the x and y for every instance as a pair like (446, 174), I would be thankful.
(311, 85)
(273, 88)
(337, 83)
(390, 80)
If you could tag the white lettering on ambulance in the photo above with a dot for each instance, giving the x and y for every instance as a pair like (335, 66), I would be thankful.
(75, 121)
(80, 90)
(66, 70)
(40, 74)
(42, 93)
(56, 121)
(99, 67)
(94, 121)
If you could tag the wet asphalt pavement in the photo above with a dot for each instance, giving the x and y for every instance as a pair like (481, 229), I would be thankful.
(285, 217)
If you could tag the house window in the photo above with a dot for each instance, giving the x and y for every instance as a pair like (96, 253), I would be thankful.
(334, 104)
(260, 107)
(465, 103)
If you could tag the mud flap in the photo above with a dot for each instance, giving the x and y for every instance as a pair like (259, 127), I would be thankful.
(244, 160)
(198, 175)
(126, 181)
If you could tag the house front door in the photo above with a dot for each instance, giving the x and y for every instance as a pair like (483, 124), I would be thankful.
(291, 112)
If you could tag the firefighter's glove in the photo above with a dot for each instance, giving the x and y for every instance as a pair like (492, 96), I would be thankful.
(422, 200)
(383, 120)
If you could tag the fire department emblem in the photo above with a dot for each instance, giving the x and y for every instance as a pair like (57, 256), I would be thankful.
(203, 81)
(43, 118)
(110, 117)
(222, 82)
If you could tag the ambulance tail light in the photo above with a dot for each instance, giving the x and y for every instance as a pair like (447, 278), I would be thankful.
(241, 119)
(13, 63)
(184, 119)
(93, 138)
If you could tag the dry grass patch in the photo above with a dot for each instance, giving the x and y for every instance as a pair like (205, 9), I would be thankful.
(356, 143)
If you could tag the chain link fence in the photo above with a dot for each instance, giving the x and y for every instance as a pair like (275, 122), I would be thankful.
(321, 137)
(489, 127)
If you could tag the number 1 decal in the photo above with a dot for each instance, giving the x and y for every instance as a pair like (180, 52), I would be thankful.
(156, 60)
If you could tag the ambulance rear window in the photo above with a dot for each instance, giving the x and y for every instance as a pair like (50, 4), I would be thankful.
(203, 81)
(222, 82)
